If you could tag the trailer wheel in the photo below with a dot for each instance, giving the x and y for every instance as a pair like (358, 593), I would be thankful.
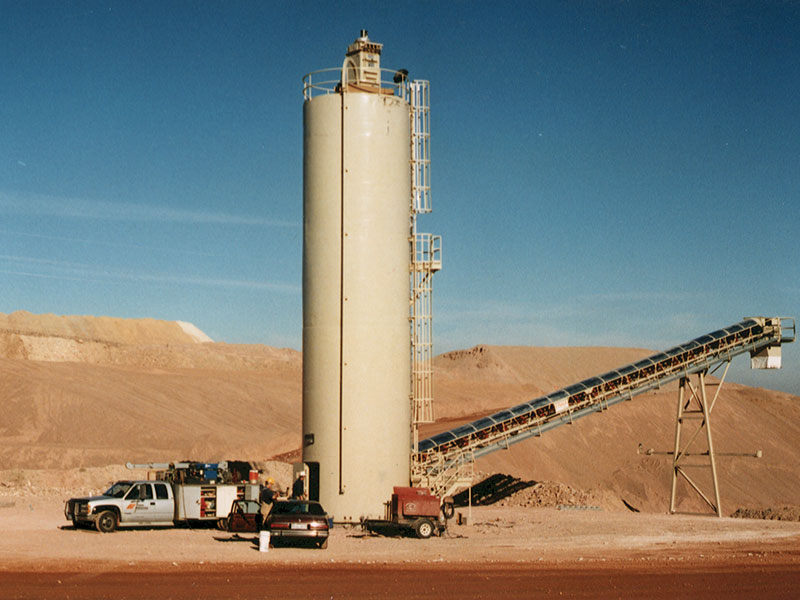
(106, 521)
(423, 528)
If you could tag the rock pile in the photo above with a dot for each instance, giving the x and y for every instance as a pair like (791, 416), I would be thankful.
(551, 494)
(505, 490)
(783, 513)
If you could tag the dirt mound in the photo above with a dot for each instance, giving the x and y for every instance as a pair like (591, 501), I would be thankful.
(784, 513)
(137, 343)
(551, 494)
(99, 329)
(96, 340)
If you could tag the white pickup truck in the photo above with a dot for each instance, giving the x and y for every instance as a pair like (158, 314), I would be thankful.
(156, 503)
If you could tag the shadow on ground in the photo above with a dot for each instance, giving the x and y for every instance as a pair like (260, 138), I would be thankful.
(492, 489)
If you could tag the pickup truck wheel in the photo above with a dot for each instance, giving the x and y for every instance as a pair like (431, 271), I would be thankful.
(106, 521)
(423, 528)
(323, 544)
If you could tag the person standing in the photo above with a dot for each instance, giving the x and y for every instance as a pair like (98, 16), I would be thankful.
(267, 498)
(299, 487)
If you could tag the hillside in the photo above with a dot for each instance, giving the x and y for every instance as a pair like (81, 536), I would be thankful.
(82, 394)
(22, 326)
(85, 393)
(483, 378)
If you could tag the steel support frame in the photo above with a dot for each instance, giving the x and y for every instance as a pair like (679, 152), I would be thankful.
(693, 404)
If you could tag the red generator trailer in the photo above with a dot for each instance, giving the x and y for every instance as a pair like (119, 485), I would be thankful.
(413, 509)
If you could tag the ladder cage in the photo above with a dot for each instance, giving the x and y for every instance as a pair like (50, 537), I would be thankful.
(425, 260)
(420, 147)
(425, 248)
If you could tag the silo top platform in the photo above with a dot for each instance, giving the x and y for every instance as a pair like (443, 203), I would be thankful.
(360, 72)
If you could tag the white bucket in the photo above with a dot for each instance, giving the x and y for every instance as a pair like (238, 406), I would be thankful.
(263, 541)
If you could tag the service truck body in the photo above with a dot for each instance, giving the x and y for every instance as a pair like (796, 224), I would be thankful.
(156, 503)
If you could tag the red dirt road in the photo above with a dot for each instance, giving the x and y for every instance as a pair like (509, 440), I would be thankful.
(777, 578)
(501, 553)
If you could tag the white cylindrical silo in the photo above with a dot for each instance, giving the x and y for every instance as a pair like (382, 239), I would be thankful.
(356, 256)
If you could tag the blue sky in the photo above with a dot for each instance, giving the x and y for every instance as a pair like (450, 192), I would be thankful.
(603, 173)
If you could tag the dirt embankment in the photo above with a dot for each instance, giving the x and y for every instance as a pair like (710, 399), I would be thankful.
(81, 392)
(53, 337)
(84, 392)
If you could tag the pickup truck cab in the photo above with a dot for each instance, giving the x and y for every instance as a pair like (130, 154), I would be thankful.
(126, 503)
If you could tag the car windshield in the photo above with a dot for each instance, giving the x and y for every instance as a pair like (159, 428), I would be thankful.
(301, 508)
(118, 489)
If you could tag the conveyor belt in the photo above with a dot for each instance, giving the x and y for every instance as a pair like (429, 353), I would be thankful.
(445, 452)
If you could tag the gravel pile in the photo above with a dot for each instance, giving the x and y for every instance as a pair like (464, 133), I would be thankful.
(783, 513)
(505, 490)
(549, 494)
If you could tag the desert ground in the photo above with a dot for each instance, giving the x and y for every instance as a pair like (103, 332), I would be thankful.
(581, 511)
(517, 552)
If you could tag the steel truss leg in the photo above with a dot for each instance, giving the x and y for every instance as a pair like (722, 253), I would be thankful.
(693, 404)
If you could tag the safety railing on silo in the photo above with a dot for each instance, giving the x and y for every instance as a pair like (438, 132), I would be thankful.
(329, 81)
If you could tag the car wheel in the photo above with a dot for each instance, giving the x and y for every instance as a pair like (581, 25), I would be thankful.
(423, 528)
(323, 544)
(106, 521)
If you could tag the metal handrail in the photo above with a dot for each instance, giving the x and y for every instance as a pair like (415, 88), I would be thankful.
(329, 81)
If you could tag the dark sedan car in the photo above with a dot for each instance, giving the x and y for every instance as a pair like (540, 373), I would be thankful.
(299, 520)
